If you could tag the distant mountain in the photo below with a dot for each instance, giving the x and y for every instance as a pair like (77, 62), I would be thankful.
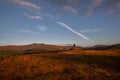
(33, 46)
(114, 47)
(47, 47)
(104, 47)
(97, 47)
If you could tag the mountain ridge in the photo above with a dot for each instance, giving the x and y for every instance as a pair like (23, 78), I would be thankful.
(34, 46)
(103, 47)
(42, 46)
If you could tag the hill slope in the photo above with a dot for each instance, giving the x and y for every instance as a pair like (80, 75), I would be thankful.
(104, 47)
(114, 47)
(33, 47)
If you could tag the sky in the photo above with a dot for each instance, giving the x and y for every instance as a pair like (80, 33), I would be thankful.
(60, 22)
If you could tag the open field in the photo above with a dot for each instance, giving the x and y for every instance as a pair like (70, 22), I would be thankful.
(69, 65)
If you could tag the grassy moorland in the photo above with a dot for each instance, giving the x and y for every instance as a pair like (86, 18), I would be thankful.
(68, 65)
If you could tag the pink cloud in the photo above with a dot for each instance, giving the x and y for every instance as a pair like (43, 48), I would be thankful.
(26, 4)
(33, 17)
(28, 31)
(70, 9)
(93, 5)
(111, 11)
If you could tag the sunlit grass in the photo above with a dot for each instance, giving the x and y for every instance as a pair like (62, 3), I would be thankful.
(52, 66)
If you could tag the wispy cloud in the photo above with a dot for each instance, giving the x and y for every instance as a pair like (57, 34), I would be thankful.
(47, 16)
(86, 7)
(70, 9)
(33, 17)
(28, 31)
(42, 28)
(89, 30)
(73, 31)
(118, 4)
(93, 6)
(25, 4)
(111, 11)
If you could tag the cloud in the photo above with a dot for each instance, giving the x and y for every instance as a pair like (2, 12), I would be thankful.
(45, 15)
(111, 11)
(62, 3)
(42, 28)
(97, 2)
(72, 1)
(118, 4)
(93, 6)
(33, 17)
(90, 30)
(70, 9)
(90, 11)
(82, 7)
(85, 7)
(25, 4)
(73, 31)
(28, 31)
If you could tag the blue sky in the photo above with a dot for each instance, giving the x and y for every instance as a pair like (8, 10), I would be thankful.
(83, 22)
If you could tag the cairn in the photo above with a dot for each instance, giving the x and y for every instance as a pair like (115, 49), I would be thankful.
(74, 47)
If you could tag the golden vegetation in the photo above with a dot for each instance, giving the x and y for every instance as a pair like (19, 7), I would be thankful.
(69, 65)
(93, 52)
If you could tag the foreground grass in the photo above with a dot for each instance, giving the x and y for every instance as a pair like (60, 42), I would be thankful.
(51, 66)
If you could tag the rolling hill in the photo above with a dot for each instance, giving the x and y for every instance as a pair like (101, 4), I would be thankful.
(114, 47)
(47, 47)
(104, 47)
(35, 47)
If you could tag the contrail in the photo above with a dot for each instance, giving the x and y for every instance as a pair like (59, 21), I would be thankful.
(72, 30)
